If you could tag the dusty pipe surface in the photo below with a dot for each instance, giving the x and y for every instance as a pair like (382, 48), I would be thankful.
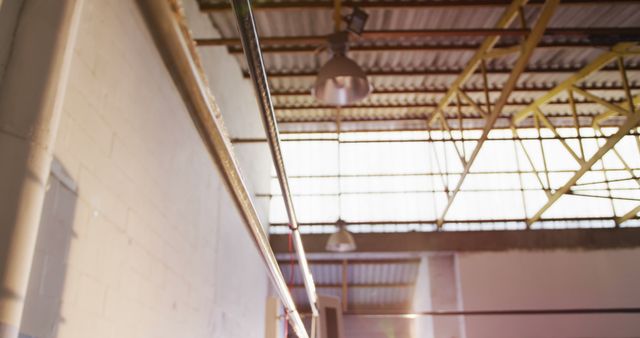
(251, 46)
(31, 96)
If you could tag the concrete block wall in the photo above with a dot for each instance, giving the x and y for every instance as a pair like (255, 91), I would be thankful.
(139, 236)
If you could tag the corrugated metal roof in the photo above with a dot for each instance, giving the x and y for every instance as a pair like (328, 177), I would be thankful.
(374, 286)
(371, 284)
(315, 21)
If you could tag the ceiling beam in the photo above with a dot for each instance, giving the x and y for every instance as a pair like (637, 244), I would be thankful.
(359, 285)
(417, 140)
(431, 105)
(472, 241)
(423, 4)
(416, 122)
(316, 40)
(431, 91)
(528, 47)
(420, 48)
(439, 72)
(355, 261)
(460, 221)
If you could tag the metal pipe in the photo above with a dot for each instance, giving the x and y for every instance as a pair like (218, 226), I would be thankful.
(165, 21)
(251, 46)
(31, 99)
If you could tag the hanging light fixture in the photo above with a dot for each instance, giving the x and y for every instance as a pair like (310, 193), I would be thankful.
(341, 240)
(341, 81)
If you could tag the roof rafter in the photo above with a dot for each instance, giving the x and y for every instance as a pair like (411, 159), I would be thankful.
(630, 122)
(599, 63)
(528, 47)
(505, 20)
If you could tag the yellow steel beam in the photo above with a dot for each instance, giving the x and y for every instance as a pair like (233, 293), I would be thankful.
(551, 127)
(625, 83)
(626, 165)
(629, 215)
(610, 106)
(500, 52)
(337, 15)
(531, 164)
(631, 123)
(598, 119)
(345, 285)
(505, 20)
(472, 103)
(528, 46)
(597, 64)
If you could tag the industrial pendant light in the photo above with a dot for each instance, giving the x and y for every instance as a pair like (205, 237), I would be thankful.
(340, 81)
(341, 240)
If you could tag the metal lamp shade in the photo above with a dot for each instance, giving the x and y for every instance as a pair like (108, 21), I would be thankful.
(341, 241)
(341, 82)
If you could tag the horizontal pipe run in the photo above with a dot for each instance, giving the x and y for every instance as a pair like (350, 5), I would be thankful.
(360, 286)
(403, 34)
(251, 45)
(355, 261)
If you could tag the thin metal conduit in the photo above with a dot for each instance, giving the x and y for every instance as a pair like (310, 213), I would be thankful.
(165, 21)
(253, 54)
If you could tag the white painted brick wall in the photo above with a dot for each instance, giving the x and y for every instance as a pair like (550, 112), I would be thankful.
(150, 243)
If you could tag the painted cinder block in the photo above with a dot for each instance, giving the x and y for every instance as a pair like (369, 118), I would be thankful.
(153, 241)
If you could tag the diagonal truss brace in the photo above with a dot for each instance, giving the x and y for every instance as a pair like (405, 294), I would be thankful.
(599, 63)
(630, 123)
(528, 47)
(505, 20)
